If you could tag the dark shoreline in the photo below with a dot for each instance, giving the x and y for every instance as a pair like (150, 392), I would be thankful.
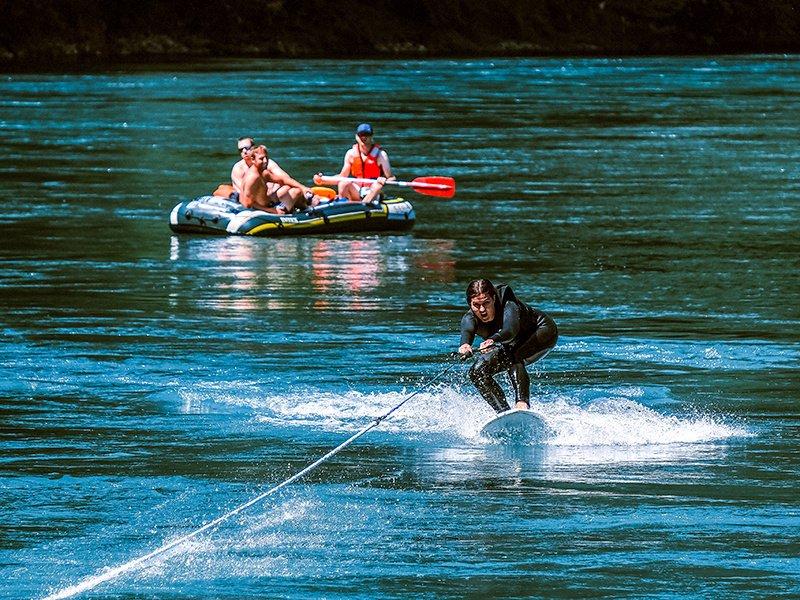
(190, 63)
(77, 35)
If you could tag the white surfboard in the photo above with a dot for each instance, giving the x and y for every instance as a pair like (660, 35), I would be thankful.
(517, 425)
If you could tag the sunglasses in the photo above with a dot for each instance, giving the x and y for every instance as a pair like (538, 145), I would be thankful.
(243, 148)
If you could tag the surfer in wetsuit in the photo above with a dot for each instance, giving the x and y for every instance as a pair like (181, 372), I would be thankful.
(521, 334)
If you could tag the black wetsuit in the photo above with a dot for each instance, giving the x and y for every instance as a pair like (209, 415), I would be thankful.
(523, 335)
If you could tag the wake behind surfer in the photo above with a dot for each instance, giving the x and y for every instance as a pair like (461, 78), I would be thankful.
(522, 334)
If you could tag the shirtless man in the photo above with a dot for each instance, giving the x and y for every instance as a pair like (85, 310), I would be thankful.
(244, 144)
(365, 159)
(283, 193)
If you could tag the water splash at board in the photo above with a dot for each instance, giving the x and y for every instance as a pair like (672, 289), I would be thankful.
(614, 417)
(616, 421)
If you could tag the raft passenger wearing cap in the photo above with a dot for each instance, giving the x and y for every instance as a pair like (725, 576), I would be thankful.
(367, 160)
(514, 335)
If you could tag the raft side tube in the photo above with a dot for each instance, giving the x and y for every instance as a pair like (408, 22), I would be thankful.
(217, 215)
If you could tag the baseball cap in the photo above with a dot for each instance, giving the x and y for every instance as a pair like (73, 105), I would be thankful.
(364, 128)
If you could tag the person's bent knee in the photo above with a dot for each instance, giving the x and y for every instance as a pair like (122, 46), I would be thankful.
(474, 373)
(478, 371)
(551, 334)
(350, 191)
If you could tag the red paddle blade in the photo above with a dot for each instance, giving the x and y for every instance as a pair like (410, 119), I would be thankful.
(444, 187)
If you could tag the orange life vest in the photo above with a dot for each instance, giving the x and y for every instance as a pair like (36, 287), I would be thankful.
(369, 168)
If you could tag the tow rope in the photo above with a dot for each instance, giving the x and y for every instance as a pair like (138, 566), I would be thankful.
(93, 581)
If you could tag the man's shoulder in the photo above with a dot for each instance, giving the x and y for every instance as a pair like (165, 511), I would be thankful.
(250, 175)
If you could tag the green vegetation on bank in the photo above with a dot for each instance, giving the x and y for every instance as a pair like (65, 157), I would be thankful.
(64, 32)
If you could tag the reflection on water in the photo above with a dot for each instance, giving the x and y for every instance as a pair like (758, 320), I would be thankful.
(353, 266)
(543, 465)
(437, 261)
(320, 273)
(493, 460)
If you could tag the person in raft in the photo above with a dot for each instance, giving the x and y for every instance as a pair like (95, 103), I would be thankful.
(244, 145)
(267, 190)
(367, 160)
(284, 194)
(520, 333)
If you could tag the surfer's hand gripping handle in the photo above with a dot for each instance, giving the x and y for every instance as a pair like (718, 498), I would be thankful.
(466, 352)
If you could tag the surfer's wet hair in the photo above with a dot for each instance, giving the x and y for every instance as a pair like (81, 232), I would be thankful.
(477, 287)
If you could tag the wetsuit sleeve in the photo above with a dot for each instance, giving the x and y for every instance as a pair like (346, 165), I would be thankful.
(511, 324)
(467, 329)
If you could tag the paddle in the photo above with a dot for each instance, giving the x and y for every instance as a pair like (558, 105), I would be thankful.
(444, 187)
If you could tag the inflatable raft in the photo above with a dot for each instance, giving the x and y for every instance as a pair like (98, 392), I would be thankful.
(218, 215)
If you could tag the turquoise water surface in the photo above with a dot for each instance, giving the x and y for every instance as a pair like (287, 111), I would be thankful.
(150, 383)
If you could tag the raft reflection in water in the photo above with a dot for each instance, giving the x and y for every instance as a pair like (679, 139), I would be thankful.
(341, 274)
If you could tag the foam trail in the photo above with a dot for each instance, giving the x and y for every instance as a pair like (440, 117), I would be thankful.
(92, 582)
(590, 418)
(625, 423)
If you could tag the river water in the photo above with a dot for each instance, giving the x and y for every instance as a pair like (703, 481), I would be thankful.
(150, 383)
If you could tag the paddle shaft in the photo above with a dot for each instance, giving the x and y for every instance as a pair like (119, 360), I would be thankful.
(419, 184)
(333, 179)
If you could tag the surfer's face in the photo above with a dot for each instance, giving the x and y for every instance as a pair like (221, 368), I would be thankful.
(483, 307)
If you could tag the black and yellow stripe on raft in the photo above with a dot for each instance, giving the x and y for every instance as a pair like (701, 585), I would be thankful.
(212, 214)
(321, 222)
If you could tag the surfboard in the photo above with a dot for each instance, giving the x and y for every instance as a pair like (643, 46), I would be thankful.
(517, 425)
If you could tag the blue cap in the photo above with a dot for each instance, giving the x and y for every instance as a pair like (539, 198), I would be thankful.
(364, 128)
